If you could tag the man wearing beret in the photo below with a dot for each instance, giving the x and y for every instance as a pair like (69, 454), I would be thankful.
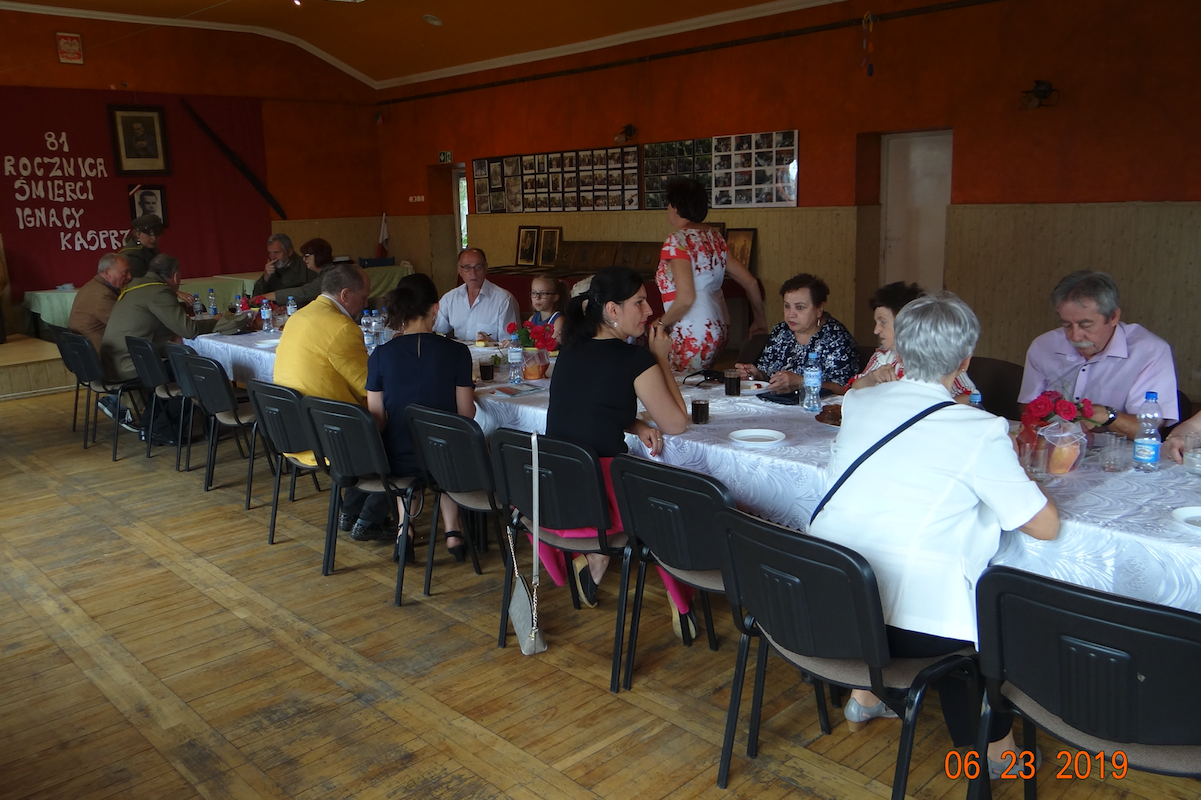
(146, 229)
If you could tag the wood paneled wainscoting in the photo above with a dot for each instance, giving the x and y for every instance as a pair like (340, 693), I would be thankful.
(152, 645)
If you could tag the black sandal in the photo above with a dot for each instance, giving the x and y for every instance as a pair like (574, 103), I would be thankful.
(459, 551)
(585, 586)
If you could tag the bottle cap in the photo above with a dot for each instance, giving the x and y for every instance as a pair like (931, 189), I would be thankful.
(975, 397)
(1152, 397)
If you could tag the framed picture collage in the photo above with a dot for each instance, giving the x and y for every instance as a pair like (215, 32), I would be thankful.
(740, 170)
(604, 179)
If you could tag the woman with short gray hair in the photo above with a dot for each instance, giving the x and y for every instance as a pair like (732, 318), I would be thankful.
(927, 508)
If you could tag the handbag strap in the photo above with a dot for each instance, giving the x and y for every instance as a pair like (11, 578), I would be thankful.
(537, 513)
(868, 453)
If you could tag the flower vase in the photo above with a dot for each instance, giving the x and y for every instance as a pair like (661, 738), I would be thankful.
(1066, 442)
(535, 364)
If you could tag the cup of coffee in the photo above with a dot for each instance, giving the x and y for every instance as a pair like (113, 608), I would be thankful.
(486, 370)
(733, 382)
(700, 412)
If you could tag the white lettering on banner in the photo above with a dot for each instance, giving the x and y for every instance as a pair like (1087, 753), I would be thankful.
(24, 166)
(10, 164)
(54, 219)
(41, 217)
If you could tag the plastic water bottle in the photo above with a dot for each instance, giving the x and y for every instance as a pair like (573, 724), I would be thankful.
(1146, 445)
(813, 385)
(265, 314)
(212, 303)
(291, 305)
(368, 333)
(976, 400)
(197, 306)
(516, 359)
(238, 301)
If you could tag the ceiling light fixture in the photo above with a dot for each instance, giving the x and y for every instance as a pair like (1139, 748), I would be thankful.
(431, 19)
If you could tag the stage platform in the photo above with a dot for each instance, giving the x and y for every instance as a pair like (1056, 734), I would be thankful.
(30, 367)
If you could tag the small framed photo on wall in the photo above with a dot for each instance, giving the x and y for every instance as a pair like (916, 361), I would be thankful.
(139, 140)
(145, 199)
(548, 246)
(527, 246)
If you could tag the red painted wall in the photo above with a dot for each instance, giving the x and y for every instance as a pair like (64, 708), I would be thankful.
(1123, 130)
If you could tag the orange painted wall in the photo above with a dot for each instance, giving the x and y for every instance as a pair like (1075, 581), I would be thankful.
(1124, 128)
(321, 147)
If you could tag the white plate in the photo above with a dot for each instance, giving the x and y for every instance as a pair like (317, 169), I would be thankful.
(267, 343)
(753, 386)
(757, 437)
(1189, 516)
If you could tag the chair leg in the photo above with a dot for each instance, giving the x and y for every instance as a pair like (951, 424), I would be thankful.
(117, 421)
(316, 485)
(402, 546)
(292, 486)
(89, 409)
(575, 593)
(505, 596)
(96, 418)
(819, 698)
(835, 696)
(279, 468)
(752, 739)
(635, 622)
(429, 556)
(331, 529)
(210, 461)
(905, 745)
(727, 744)
(980, 787)
(187, 467)
(148, 425)
(619, 631)
(709, 621)
(179, 433)
(254, 431)
(482, 523)
(75, 412)
(1030, 785)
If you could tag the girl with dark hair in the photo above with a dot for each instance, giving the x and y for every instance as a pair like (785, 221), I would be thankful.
(418, 366)
(594, 396)
(884, 365)
(693, 264)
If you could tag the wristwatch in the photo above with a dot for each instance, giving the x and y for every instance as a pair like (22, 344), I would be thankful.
(1113, 415)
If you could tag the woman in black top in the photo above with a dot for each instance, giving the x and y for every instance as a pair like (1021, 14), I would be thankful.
(421, 367)
(595, 390)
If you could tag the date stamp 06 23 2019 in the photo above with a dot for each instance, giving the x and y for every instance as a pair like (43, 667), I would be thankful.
(1076, 765)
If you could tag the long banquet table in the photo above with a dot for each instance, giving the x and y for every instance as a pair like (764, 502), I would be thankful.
(1118, 534)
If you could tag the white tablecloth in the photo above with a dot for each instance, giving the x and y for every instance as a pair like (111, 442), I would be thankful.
(245, 356)
(1118, 534)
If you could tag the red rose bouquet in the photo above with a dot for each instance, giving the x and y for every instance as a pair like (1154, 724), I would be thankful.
(530, 335)
(1053, 407)
(1058, 420)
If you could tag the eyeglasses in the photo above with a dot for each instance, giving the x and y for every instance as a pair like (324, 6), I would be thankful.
(540, 295)
(473, 267)
(307, 255)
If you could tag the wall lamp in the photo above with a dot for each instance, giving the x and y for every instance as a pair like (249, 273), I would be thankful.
(625, 134)
(1043, 94)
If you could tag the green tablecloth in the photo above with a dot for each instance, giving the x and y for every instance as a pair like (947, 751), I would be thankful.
(54, 307)
(383, 279)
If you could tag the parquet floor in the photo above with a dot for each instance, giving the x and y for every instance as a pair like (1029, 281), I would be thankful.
(152, 645)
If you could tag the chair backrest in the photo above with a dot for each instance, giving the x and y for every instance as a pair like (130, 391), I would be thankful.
(671, 510)
(814, 597)
(70, 361)
(451, 449)
(280, 415)
(87, 360)
(865, 355)
(570, 480)
(1184, 405)
(147, 362)
(213, 390)
(175, 354)
(345, 436)
(999, 383)
(1115, 668)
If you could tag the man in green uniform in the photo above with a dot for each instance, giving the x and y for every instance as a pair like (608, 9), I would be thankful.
(285, 268)
(146, 229)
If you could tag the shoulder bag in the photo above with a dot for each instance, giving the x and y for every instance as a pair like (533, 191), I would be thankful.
(523, 603)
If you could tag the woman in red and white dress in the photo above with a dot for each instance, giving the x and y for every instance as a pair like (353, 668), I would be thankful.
(884, 365)
(692, 266)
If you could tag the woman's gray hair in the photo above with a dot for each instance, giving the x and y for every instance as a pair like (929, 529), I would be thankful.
(1084, 284)
(933, 334)
(164, 266)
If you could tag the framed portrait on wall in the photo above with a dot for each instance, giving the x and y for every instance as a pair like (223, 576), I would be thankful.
(513, 202)
(548, 246)
(742, 246)
(139, 140)
(527, 246)
(144, 199)
(495, 174)
(479, 168)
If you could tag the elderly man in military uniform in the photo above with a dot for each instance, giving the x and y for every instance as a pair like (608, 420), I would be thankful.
(143, 243)
(285, 268)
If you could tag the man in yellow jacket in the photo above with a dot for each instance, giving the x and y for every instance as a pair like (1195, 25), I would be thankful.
(321, 353)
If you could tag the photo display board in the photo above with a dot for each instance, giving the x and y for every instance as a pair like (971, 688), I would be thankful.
(741, 170)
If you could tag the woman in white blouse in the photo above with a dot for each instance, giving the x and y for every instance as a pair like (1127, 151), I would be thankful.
(927, 509)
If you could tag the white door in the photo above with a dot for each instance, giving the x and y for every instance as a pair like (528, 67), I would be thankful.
(916, 190)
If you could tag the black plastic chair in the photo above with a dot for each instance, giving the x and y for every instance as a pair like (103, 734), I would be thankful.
(89, 371)
(156, 382)
(452, 452)
(671, 513)
(818, 605)
(999, 383)
(285, 429)
(71, 363)
(573, 496)
(346, 440)
(215, 395)
(175, 353)
(1100, 672)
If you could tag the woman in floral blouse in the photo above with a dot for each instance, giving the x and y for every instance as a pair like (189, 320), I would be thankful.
(692, 266)
(806, 328)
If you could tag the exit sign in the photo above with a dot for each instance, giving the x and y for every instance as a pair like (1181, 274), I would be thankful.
(444, 157)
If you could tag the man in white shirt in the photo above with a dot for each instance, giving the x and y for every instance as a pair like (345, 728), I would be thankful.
(478, 309)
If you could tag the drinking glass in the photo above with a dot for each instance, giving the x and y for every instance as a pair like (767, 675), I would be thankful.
(700, 411)
(1038, 459)
(487, 370)
(1113, 454)
(1025, 454)
(1192, 453)
(733, 382)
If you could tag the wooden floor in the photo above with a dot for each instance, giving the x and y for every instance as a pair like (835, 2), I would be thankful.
(152, 645)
